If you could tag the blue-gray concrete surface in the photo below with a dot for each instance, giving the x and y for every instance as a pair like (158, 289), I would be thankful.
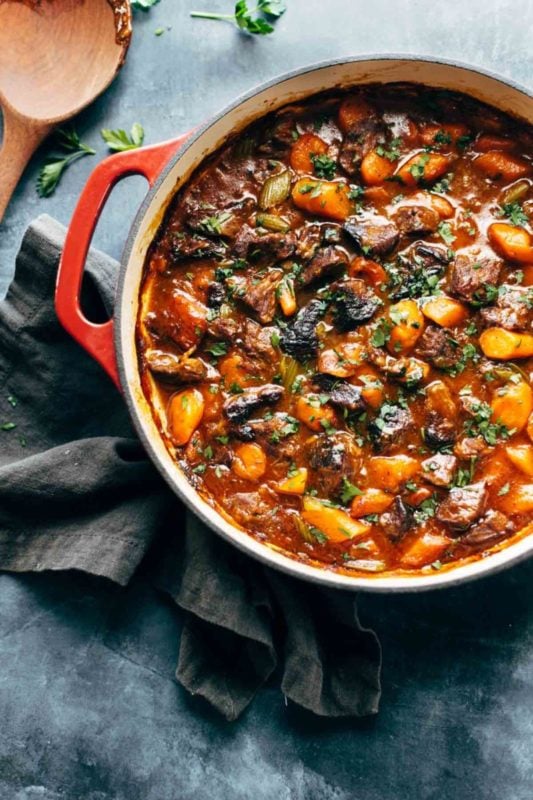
(89, 709)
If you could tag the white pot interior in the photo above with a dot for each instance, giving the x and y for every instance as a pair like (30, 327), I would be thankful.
(376, 70)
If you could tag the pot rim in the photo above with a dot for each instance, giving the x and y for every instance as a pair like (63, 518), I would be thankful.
(322, 576)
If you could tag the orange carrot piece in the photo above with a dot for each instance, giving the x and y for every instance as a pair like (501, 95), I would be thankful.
(371, 501)
(425, 549)
(316, 415)
(389, 472)
(408, 323)
(502, 344)
(445, 311)
(305, 146)
(294, 484)
(364, 266)
(375, 169)
(512, 405)
(249, 461)
(185, 412)
(328, 199)
(511, 242)
(423, 168)
(498, 165)
(334, 523)
(352, 111)
(452, 129)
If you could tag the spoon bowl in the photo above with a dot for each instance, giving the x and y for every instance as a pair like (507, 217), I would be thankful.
(56, 56)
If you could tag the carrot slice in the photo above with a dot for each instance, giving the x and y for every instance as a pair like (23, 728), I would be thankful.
(504, 345)
(185, 412)
(512, 405)
(425, 549)
(499, 165)
(511, 242)
(307, 145)
(334, 523)
(249, 461)
(371, 501)
(445, 311)
(423, 168)
(325, 198)
(372, 269)
(294, 484)
(375, 169)
(352, 111)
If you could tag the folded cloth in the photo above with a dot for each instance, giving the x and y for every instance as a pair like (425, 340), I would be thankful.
(78, 492)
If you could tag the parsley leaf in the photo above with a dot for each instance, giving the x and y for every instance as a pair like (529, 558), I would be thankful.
(218, 349)
(504, 490)
(481, 425)
(324, 166)
(54, 166)
(243, 19)
(349, 491)
(514, 213)
(444, 229)
(118, 140)
(381, 334)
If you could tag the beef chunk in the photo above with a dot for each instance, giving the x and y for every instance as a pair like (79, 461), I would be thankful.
(470, 447)
(375, 236)
(186, 246)
(259, 294)
(223, 328)
(275, 433)
(300, 339)
(355, 304)
(357, 143)
(390, 426)
(177, 369)
(396, 521)
(265, 248)
(250, 508)
(183, 320)
(463, 505)
(439, 469)
(326, 261)
(437, 347)
(406, 370)
(257, 341)
(490, 529)
(439, 431)
(416, 219)
(341, 393)
(417, 270)
(471, 276)
(216, 294)
(239, 407)
(332, 458)
(309, 240)
(280, 137)
(513, 309)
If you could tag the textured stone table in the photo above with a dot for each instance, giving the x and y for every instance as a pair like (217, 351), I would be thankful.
(89, 709)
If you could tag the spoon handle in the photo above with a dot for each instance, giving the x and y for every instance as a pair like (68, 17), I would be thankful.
(21, 138)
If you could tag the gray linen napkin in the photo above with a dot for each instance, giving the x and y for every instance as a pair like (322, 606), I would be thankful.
(78, 492)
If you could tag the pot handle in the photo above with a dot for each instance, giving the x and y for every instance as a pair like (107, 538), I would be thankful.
(98, 339)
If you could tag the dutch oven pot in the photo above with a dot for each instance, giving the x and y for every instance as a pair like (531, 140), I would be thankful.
(167, 166)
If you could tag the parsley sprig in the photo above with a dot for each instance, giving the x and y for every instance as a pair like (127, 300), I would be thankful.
(118, 140)
(54, 166)
(249, 20)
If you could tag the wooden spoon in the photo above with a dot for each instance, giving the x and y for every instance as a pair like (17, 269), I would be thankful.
(56, 56)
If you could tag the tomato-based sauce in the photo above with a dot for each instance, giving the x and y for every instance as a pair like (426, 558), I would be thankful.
(336, 329)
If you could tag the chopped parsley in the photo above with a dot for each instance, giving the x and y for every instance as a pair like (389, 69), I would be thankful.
(393, 153)
(444, 229)
(218, 349)
(481, 425)
(382, 332)
(418, 169)
(324, 166)
(349, 491)
(514, 213)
